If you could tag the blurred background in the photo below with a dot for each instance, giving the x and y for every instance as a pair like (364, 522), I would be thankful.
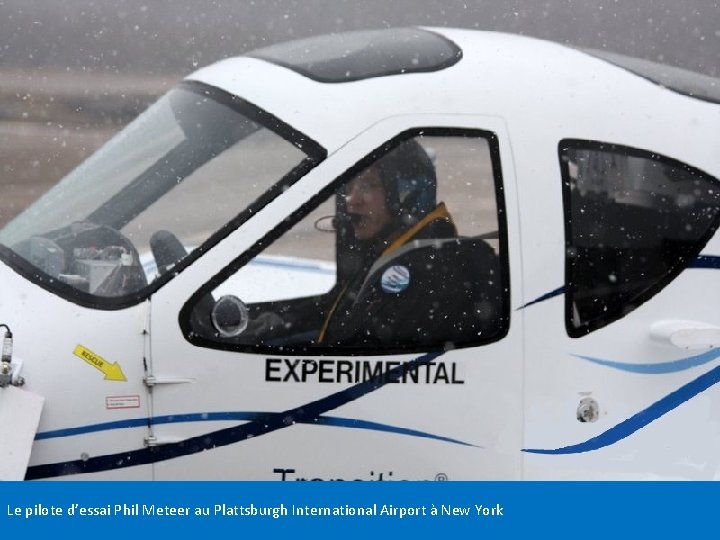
(73, 72)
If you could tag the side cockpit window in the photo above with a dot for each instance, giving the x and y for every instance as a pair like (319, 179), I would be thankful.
(633, 221)
(405, 252)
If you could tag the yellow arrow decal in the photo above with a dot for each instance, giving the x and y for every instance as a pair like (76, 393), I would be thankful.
(113, 372)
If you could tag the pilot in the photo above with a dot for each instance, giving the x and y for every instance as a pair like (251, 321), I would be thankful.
(385, 207)
(402, 279)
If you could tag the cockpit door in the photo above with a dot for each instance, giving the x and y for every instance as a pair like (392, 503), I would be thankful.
(412, 370)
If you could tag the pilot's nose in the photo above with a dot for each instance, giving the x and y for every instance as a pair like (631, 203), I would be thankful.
(353, 197)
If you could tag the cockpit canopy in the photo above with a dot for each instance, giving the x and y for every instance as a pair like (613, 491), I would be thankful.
(91, 236)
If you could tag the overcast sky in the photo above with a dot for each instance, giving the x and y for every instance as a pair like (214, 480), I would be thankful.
(176, 36)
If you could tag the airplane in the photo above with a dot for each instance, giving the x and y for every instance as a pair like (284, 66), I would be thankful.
(176, 308)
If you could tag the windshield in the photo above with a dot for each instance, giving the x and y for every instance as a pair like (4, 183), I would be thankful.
(194, 162)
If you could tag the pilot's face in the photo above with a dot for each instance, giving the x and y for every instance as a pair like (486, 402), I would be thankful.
(367, 204)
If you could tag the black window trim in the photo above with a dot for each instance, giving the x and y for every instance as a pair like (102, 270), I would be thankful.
(315, 154)
(585, 144)
(307, 207)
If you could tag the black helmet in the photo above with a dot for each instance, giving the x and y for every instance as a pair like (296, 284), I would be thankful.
(408, 176)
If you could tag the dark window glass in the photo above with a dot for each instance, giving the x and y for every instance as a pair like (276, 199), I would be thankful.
(352, 56)
(633, 222)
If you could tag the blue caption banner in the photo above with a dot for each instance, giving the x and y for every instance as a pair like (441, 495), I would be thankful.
(359, 510)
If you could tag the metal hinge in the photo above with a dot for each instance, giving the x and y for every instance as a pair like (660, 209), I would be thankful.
(153, 440)
(152, 380)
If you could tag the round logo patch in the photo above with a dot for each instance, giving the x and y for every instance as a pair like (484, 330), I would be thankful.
(395, 279)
